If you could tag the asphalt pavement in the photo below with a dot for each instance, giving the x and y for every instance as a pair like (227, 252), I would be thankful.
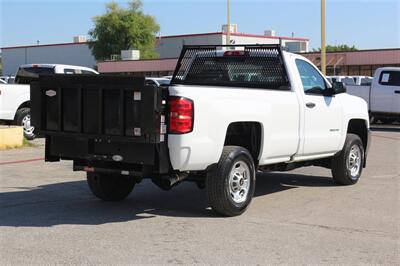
(48, 216)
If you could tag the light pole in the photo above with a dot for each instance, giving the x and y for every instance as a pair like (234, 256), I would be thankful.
(323, 50)
(228, 34)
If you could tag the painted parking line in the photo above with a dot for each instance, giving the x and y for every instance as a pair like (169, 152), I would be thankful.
(22, 161)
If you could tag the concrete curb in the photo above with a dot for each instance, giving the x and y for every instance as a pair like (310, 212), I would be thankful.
(11, 137)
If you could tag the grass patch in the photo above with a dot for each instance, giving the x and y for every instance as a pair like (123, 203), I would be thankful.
(27, 143)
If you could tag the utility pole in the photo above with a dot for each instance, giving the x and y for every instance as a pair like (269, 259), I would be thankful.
(323, 47)
(228, 34)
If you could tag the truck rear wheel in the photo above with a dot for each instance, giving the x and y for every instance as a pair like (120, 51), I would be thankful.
(23, 118)
(347, 165)
(110, 187)
(230, 184)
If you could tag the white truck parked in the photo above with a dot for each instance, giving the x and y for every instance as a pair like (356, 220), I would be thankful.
(228, 112)
(382, 96)
(363, 80)
(15, 98)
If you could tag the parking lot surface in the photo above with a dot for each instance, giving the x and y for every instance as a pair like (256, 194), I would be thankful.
(48, 216)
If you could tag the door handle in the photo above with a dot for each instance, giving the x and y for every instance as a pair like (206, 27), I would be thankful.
(398, 92)
(310, 105)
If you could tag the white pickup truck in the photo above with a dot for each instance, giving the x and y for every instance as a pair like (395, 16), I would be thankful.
(15, 98)
(382, 96)
(228, 112)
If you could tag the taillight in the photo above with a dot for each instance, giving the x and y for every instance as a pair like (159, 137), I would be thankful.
(236, 53)
(181, 115)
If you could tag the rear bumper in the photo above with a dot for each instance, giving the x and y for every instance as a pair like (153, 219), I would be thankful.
(109, 154)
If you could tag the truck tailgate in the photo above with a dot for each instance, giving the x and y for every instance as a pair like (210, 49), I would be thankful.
(97, 120)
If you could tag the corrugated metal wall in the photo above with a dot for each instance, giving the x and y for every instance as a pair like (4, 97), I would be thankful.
(70, 54)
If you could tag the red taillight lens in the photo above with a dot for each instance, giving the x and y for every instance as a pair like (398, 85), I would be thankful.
(236, 53)
(180, 115)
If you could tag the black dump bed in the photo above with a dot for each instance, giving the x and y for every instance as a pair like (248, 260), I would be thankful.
(110, 122)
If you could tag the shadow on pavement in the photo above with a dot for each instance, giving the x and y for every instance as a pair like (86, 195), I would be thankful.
(385, 128)
(73, 203)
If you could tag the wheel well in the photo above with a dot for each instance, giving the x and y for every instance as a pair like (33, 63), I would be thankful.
(23, 105)
(359, 127)
(247, 135)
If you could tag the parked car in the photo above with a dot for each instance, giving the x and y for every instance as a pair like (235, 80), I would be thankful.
(347, 80)
(157, 81)
(362, 80)
(7, 79)
(384, 102)
(226, 114)
(15, 98)
(382, 96)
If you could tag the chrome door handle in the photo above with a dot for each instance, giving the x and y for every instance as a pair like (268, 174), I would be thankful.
(310, 105)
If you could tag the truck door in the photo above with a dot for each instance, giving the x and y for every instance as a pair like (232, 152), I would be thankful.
(385, 94)
(322, 114)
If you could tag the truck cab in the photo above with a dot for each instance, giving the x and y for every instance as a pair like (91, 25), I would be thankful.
(385, 94)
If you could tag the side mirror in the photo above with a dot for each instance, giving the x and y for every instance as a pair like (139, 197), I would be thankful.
(338, 87)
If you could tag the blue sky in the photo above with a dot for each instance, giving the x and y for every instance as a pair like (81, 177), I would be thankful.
(363, 23)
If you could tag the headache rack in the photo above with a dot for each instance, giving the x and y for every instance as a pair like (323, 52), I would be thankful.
(249, 66)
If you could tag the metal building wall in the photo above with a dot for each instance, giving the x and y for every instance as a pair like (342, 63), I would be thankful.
(171, 46)
(70, 54)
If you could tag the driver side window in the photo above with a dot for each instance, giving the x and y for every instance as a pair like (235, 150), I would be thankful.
(313, 82)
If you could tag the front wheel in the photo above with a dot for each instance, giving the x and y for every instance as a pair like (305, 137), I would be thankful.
(347, 165)
(110, 187)
(23, 118)
(230, 184)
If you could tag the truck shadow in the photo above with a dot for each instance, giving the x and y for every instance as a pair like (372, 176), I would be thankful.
(72, 202)
(385, 128)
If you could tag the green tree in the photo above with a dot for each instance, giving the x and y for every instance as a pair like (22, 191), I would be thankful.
(122, 29)
(338, 48)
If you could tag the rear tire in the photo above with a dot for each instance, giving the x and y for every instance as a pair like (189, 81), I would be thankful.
(23, 118)
(348, 164)
(230, 184)
(110, 187)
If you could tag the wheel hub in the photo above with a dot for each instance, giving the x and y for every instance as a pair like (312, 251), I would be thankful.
(239, 182)
(354, 160)
(26, 125)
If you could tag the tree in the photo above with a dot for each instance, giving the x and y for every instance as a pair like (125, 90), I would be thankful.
(123, 29)
(338, 48)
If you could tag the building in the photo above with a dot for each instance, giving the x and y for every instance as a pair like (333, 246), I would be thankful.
(361, 62)
(171, 46)
(76, 53)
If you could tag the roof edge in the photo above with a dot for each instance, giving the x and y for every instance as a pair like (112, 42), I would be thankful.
(44, 45)
(360, 50)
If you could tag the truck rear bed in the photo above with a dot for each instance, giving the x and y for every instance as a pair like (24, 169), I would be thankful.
(103, 122)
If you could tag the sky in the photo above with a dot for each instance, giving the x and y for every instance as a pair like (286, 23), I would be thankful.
(367, 24)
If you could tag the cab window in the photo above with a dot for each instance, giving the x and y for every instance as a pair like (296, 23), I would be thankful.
(390, 78)
(313, 82)
(87, 72)
(69, 71)
(150, 82)
(366, 82)
(349, 81)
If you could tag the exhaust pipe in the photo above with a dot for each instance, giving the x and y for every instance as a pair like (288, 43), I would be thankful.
(167, 182)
